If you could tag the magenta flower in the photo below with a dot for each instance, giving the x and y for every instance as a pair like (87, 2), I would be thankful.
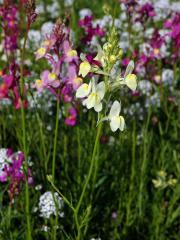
(4, 90)
(71, 118)
(174, 26)
(11, 170)
(90, 30)
(9, 20)
(145, 12)
(17, 99)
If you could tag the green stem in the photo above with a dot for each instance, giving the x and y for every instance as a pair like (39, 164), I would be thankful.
(54, 164)
(55, 140)
(79, 156)
(63, 197)
(26, 174)
(88, 178)
(42, 141)
(24, 140)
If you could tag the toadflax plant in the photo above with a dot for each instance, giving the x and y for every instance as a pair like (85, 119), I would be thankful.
(97, 94)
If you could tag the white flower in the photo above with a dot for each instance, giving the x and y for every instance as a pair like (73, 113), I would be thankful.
(167, 76)
(116, 121)
(4, 158)
(94, 93)
(68, 3)
(47, 206)
(85, 12)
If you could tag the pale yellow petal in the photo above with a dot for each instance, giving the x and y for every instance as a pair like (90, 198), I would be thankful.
(115, 109)
(84, 68)
(131, 81)
(82, 91)
(114, 123)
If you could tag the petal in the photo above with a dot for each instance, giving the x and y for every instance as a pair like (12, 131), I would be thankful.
(122, 123)
(115, 123)
(115, 109)
(100, 54)
(91, 101)
(131, 81)
(82, 91)
(101, 89)
(98, 107)
(129, 69)
(84, 68)
(89, 87)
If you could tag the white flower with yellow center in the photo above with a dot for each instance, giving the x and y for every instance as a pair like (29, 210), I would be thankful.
(94, 93)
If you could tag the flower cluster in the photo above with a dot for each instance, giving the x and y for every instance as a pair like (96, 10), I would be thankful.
(11, 170)
(90, 30)
(9, 19)
(62, 79)
(174, 25)
(162, 181)
(96, 95)
(9, 88)
(10, 13)
(47, 206)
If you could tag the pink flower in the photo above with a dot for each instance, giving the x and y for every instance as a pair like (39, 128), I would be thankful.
(50, 79)
(73, 78)
(70, 54)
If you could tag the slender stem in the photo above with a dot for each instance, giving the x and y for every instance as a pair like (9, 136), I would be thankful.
(26, 174)
(54, 163)
(55, 139)
(24, 140)
(79, 155)
(42, 141)
(88, 178)
(63, 197)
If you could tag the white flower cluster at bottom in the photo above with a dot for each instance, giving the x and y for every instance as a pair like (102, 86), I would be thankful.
(47, 205)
